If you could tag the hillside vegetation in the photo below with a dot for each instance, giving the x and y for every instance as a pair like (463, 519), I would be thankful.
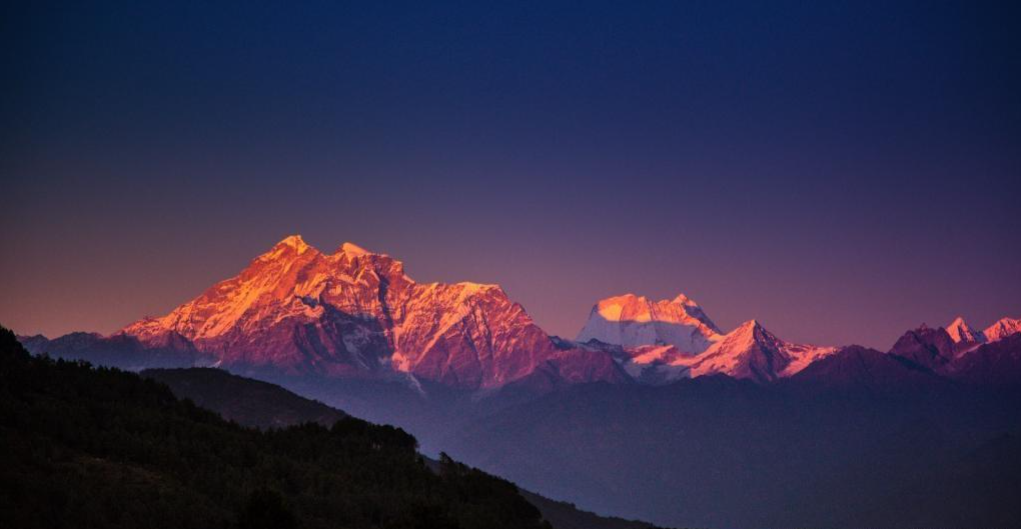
(94, 447)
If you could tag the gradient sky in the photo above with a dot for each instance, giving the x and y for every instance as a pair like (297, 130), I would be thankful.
(839, 171)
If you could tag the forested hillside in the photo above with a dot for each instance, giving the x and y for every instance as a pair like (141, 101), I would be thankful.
(94, 447)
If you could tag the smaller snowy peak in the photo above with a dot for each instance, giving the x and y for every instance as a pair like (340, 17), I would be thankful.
(960, 332)
(291, 245)
(630, 321)
(748, 328)
(349, 248)
(751, 351)
(295, 242)
(681, 299)
(748, 334)
(1002, 329)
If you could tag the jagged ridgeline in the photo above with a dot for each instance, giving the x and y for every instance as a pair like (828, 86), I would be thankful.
(93, 447)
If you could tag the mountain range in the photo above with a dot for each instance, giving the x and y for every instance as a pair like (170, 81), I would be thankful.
(355, 314)
(652, 411)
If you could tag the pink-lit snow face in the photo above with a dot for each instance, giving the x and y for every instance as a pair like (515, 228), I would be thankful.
(632, 321)
(356, 313)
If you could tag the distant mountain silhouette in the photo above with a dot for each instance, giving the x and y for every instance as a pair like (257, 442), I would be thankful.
(826, 447)
(243, 400)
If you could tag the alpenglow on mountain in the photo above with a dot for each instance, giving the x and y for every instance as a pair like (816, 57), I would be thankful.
(354, 313)
(632, 321)
(297, 311)
(674, 338)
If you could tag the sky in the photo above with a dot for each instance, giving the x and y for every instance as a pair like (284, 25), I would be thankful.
(839, 171)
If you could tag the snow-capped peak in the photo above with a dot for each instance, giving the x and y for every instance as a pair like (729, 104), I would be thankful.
(960, 332)
(475, 288)
(291, 245)
(352, 249)
(630, 320)
(1002, 329)
(681, 299)
(748, 334)
(751, 351)
(748, 327)
(355, 313)
(295, 242)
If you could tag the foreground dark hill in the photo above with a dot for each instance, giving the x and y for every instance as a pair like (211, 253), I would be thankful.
(565, 515)
(87, 447)
(260, 404)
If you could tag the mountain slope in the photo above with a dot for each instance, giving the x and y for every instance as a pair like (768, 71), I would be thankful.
(259, 404)
(91, 447)
(927, 347)
(243, 400)
(857, 369)
(713, 451)
(566, 516)
(993, 364)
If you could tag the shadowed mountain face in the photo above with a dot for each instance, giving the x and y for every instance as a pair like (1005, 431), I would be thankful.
(119, 350)
(714, 452)
(931, 348)
(862, 370)
(993, 364)
(829, 446)
(245, 401)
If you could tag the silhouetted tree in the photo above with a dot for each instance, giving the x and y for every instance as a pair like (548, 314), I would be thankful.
(265, 509)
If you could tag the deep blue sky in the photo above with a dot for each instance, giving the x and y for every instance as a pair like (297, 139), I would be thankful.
(838, 170)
